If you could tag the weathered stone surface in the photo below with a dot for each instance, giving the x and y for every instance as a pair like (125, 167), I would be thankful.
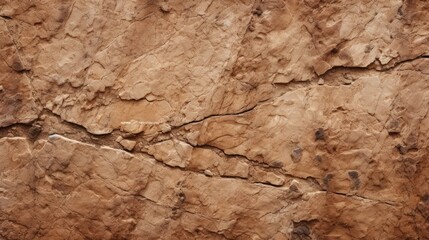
(214, 119)
(17, 104)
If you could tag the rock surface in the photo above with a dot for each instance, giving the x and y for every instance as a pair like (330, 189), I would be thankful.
(214, 119)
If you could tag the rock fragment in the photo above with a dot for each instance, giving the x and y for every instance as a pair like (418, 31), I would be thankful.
(208, 173)
(271, 178)
(126, 144)
(165, 7)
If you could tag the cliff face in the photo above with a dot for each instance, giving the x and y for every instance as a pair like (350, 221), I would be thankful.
(150, 119)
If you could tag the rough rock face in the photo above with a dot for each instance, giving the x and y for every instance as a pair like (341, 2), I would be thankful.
(263, 119)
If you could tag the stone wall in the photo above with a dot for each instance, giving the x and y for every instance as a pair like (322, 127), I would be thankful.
(221, 119)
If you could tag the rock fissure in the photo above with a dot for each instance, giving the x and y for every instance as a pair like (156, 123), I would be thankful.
(214, 119)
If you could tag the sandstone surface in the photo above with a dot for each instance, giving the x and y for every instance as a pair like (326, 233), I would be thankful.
(234, 119)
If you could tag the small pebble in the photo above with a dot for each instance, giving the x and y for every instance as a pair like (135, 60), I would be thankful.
(54, 137)
(321, 81)
(208, 173)
(165, 7)
(347, 81)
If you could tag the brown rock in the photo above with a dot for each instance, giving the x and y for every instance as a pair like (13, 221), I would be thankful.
(126, 144)
(296, 154)
(239, 119)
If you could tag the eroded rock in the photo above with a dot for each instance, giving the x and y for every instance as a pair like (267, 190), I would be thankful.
(214, 119)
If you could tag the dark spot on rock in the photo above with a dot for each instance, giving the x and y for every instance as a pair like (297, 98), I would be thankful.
(276, 164)
(340, 109)
(425, 198)
(65, 164)
(34, 131)
(6, 17)
(251, 27)
(328, 177)
(176, 213)
(318, 158)
(64, 12)
(294, 192)
(409, 167)
(62, 187)
(400, 11)
(334, 51)
(411, 141)
(353, 174)
(401, 149)
(320, 134)
(296, 154)
(423, 209)
(301, 231)
(293, 188)
(258, 11)
(17, 65)
(182, 197)
(368, 48)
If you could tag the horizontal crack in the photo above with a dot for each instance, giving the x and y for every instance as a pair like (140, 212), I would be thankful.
(360, 197)
(369, 68)
(220, 115)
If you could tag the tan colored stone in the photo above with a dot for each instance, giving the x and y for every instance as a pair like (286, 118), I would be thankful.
(214, 119)
(172, 152)
(126, 144)
(261, 176)
(17, 103)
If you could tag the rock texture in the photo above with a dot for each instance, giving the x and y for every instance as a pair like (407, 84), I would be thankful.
(249, 119)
